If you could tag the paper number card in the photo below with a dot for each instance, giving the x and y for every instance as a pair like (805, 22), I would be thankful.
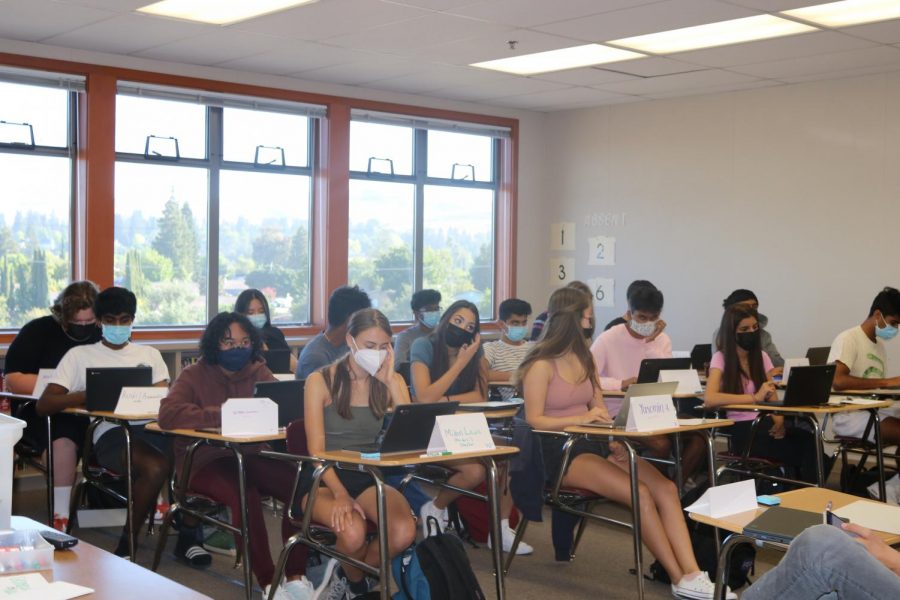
(562, 236)
(603, 289)
(601, 251)
(562, 271)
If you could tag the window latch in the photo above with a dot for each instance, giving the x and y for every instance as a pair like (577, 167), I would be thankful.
(161, 141)
(8, 126)
(464, 176)
(270, 163)
(390, 162)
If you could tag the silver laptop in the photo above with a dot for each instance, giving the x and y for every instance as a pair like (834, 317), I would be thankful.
(663, 388)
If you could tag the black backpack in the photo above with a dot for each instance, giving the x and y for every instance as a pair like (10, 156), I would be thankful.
(442, 562)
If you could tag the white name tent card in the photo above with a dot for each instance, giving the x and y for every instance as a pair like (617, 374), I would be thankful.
(460, 433)
(140, 400)
(791, 363)
(242, 417)
(681, 353)
(647, 413)
(688, 380)
(43, 379)
(724, 500)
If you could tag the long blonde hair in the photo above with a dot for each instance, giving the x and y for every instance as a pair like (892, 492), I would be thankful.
(563, 334)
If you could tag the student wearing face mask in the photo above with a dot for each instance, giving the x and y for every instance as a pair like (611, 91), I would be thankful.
(115, 309)
(740, 372)
(747, 299)
(426, 307)
(41, 344)
(860, 360)
(345, 404)
(330, 345)
(253, 304)
(539, 320)
(502, 357)
(632, 288)
(230, 366)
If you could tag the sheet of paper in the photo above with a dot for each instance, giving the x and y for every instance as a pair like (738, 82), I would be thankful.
(249, 416)
(688, 380)
(874, 515)
(461, 433)
(647, 413)
(33, 586)
(140, 400)
(284, 376)
(43, 379)
(724, 500)
(681, 353)
(686, 422)
(838, 400)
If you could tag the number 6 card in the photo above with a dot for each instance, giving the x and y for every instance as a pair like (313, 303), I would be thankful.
(604, 291)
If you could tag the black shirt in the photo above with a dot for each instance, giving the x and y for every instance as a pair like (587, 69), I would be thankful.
(273, 338)
(41, 344)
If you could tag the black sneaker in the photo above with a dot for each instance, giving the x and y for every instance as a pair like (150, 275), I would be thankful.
(193, 554)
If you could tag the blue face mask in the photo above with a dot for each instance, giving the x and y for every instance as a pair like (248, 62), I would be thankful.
(258, 320)
(516, 333)
(888, 332)
(116, 334)
(430, 318)
(235, 359)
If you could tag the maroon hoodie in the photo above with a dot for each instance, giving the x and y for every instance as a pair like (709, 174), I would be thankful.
(195, 401)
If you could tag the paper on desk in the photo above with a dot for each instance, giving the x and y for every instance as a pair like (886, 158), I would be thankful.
(33, 586)
(688, 380)
(140, 400)
(686, 422)
(874, 515)
(249, 417)
(724, 500)
(839, 400)
(284, 376)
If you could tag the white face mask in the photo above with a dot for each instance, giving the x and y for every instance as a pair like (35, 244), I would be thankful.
(643, 329)
(368, 358)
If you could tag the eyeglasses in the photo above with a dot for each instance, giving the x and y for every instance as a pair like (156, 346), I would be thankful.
(230, 343)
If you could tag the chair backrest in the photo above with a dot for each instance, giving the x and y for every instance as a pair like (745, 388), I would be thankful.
(296, 438)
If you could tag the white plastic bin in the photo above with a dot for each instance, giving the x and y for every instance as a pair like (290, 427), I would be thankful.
(10, 433)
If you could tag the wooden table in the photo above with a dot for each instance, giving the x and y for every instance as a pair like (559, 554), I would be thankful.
(808, 499)
(810, 414)
(111, 577)
(235, 445)
(342, 458)
(624, 437)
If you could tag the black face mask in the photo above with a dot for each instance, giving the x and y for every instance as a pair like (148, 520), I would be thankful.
(81, 332)
(457, 337)
(748, 340)
(588, 332)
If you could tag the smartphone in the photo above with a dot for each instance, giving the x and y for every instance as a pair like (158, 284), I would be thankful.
(768, 500)
(58, 539)
(836, 521)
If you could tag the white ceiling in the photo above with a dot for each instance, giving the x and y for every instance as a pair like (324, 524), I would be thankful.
(425, 46)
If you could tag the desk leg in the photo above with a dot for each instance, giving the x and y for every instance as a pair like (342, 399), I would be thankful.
(245, 520)
(711, 460)
(129, 517)
(51, 510)
(724, 557)
(820, 450)
(490, 467)
(635, 517)
(679, 472)
(384, 564)
(879, 454)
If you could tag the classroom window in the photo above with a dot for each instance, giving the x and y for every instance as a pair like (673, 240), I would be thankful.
(233, 200)
(37, 144)
(426, 225)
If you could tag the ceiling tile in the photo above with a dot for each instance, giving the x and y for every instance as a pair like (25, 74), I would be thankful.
(505, 88)
(436, 28)
(35, 20)
(731, 87)
(434, 4)
(329, 18)
(805, 44)
(886, 32)
(697, 80)
(651, 67)
(211, 48)
(585, 76)
(495, 45)
(529, 13)
(129, 33)
(844, 74)
(650, 18)
(293, 56)
(373, 68)
(438, 77)
(576, 97)
(123, 6)
(824, 63)
(774, 5)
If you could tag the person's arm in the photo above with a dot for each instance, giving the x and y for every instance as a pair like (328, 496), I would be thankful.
(843, 380)
(181, 408)
(20, 383)
(487, 362)
(435, 391)
(715, 397)
(769, 348)
(57, 398)
(479, 393)
(535, 385)
(23, 359)
(876, 546)
(598, 349)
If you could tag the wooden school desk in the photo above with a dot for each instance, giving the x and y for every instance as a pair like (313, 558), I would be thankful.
(111, 577)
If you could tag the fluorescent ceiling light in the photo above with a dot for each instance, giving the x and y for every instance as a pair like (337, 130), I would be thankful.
(218, 12)
(722, 33)
(558, 60)
(848, 12)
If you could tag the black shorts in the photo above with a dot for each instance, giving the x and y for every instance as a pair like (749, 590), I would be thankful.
(356, 482)
(109, 449)
(552, 448)
(70, 427)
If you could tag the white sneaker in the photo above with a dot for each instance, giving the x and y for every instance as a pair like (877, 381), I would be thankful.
(280, 593)
(430, 510)
(336, 587)
(891, 490)
(299, 589)
(330, 568)
(508, 535)
(698, 588)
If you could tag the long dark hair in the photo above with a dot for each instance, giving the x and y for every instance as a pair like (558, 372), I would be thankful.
(340, 384)
(470, 376)
(727, 345)
(563, 334)
(242, 304)
(217, 329)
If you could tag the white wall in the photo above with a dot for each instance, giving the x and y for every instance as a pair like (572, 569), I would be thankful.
(791, 191)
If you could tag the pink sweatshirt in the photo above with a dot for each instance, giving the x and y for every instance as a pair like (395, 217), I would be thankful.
(618, 356)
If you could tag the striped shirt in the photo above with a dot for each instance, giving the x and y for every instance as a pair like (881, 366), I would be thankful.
(501, 356)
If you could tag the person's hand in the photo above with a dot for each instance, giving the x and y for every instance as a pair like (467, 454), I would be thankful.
(385, 372)
(626, 383)
(886, 555)
(777, 430)
(618, 452)
(777, 371)
(342, 512)
(596, 414)
(765, 391)
(660, 326)
(467, 351)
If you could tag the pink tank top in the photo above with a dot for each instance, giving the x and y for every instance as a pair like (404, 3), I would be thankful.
(566, 399)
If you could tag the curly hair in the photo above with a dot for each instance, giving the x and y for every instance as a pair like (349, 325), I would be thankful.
(218, 330)
(77, 296)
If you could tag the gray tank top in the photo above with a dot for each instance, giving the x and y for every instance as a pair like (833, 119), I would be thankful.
(340, 433)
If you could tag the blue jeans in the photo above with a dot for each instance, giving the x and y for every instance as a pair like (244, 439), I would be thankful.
(824, 562)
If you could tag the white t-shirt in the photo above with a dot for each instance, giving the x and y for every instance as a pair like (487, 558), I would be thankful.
(502, 356)
(70, 372)
(865, 359)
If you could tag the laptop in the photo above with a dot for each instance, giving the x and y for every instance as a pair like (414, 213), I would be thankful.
(781, 525)
(103, 385)
(701, 356)
(288, 395)
(650, 368)
(409, 429)
(818, 355)
(807, 386)
(665, 388)
(278, 361)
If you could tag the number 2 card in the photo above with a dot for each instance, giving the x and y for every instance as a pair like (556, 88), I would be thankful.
(601, 251)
